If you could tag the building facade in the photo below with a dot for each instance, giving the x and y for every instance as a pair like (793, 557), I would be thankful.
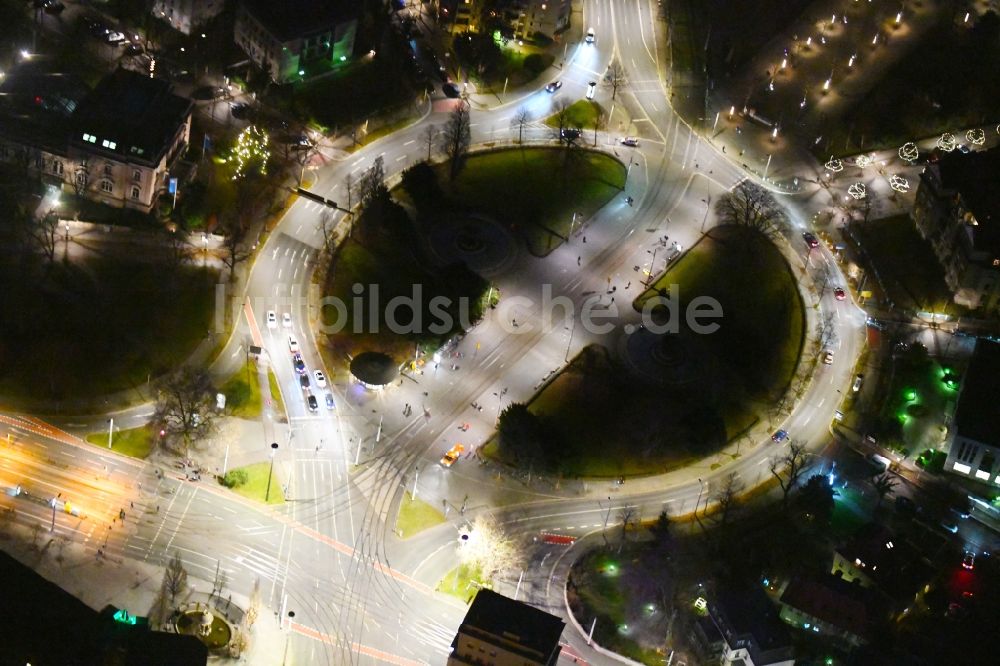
(293, 45)
(520, 19)
(499, 631)
(752, 633)
(117, 145)
(186, 15)
(974, 448)
(957, 212)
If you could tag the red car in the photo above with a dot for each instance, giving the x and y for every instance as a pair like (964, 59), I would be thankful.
(839, 294)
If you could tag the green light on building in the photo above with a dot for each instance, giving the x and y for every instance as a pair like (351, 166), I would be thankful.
(123, 616)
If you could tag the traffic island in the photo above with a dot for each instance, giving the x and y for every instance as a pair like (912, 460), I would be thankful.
(133, 442)
(415, 516)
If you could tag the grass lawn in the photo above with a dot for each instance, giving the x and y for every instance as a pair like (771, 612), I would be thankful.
(100, 326)
(242, 392)
(461, 582)
(906, 264)
(762, 329)
(580, 114)
(135, 442)
(256, 486)
(549, 189)
(276, 402)
(607, 421)
(416, 515)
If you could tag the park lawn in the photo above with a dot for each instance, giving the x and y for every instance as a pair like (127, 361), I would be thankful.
(762, 329)
(549, 189)
(416, 515)
(242, 391)
(100, 326)
(134, 442)
(906, 263)
(461, 582)
(582, 114)
(256, 486)
(277, 403)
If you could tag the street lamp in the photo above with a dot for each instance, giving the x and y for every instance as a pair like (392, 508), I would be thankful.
(270, 470)
(291, 616)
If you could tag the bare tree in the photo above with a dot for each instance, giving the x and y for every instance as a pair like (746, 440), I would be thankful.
(253, 610)
(186, 406)
(234, 243)
(520, 119)
(751, 206)
(788, 468)
(456, 138)
(488, 549)
(615, 76)
(884, 484)
(327, 225)
(349, 186)
(599, 118)
(429, 135)
(628, 516)
(174, 577)
(45, 235)
(562, 120)
(727, 497)
(372, 187)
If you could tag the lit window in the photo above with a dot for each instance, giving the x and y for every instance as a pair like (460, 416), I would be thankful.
(112, 145)
(105, 143)
(959, 467)
(106, 186)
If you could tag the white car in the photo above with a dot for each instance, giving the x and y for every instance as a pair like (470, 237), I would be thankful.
(591, 89)
(320, 378)
(293, 344)
(272, 319)
(828, 358)
(590, 36)
(286, 320)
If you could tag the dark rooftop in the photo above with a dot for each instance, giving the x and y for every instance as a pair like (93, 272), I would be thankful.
(46, 626)
(975, 175)
(832, 600)
(35, 106)
(975, 415)
(515, 622)
(136, 115)
(746, 612)
(287, 21)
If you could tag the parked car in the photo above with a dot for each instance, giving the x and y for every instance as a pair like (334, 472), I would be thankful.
(779, 436)
(554, 86)
(450, 90)
(630, 141)
(856, 386)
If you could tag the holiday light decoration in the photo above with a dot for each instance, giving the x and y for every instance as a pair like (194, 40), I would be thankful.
(899, 183)
(251, 149)
(858, 190)
(947, 142)
(908, 152)
(834, 165)
(863, 160)
(976, 137)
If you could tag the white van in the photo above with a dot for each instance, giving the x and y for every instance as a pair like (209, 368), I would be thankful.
(590, 36)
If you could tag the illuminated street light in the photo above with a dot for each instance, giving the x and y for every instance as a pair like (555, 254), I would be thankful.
(976, 137)
(774, 133)
(826, 85)
(784, 63)
(850, 62)
(858, 191)
(908, 152)
(899, 17)
(899, 183)
(875, 39)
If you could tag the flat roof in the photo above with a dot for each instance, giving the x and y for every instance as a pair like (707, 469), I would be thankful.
(975, 175)
(301, 18)
(976, 412)
(512, 621)
(131, 116)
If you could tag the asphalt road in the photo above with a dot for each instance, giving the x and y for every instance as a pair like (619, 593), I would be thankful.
(330, 554)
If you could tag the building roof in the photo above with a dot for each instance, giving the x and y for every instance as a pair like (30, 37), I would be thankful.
(746, 612)
(35, 106)
(832, 600)
(45, 625)
(975, 415)
(132, 117)
(974, 176)
(305, 18)
(513, 625)
(374, 368)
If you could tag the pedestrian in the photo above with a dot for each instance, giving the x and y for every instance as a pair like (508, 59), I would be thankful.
(741, 153)
(578, 261)
(723, 149)
(612, 299)
(629, 284)
(131, 505)
(157, 508)
(584, 239)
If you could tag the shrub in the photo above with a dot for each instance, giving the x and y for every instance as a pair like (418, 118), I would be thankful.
(235, 478)
(535, 63)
